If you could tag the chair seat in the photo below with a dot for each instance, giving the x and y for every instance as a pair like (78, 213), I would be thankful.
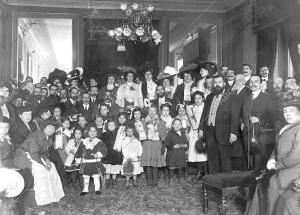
(226, 180)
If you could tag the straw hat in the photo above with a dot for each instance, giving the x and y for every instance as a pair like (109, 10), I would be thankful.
(12, 183)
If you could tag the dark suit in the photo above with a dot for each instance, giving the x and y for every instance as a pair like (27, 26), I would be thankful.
(227, 86)
(178, 95)
(238, 153)
(217, 137)
(270, 88)
(173, 105)
(90, 113)
(71, 109)
(19, 132)
(264, 108)
(114, 110)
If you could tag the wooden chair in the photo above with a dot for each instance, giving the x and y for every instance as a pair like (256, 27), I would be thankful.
(225, 184)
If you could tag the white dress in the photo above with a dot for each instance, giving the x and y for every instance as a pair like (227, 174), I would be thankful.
(194, 113)
(131, 148)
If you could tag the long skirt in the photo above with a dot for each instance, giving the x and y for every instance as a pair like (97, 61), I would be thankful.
(193, 155)
(152, 154)
(47, 184)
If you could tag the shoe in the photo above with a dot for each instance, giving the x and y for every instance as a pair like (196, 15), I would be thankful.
(83, 193)
(98, 192)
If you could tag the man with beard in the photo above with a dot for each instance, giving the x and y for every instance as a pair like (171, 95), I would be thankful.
(229, 76)
(219, 124)
(278, 85)
(160, 92)
(264, 74)
(259, 116)
(87, 108)
(112, 106)
(247, 71)
(94, 95)
(37, 93)
(71, 106)
(6, 108)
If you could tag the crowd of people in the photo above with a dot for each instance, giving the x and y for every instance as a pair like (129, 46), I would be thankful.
(64, 129)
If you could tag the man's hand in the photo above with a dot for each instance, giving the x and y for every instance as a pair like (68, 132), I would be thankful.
(254, 119)
(200, 134)
(271, 164)
(232, 138)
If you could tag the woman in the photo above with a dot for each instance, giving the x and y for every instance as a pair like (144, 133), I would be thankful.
(110, 86)
(285, 161)
(166, 78)
(129, 94)
(34, 153)
(194, 112)
(207, 69)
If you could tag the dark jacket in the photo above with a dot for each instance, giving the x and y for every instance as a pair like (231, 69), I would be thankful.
(113, 157)
(178, 95)
(227, 118)
(71, 109)
(19, 132)
(173, 105)
(91, 113)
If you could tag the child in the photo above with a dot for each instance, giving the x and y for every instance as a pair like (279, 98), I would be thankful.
(138, 123)
(153, 155)
(194, 112)
(71, 149)
(177, 144)
(113, 160)
(66, 134)
(57, 114)
(165, 115)
(89, 155)
(182, 115)
(104, 109)
(99, 123)
(82, 123)
(121, 134)
(131, 149)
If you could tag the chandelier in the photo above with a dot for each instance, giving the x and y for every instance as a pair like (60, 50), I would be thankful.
(137, 25)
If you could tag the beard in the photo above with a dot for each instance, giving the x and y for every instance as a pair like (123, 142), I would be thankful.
(218, 90)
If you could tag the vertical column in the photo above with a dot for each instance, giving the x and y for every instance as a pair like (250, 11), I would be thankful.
(1, 40)
(164, 47)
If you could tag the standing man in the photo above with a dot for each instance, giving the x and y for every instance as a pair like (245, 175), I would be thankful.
(71, 106)
(259, 116)
(183, 92)
(267, 82)
(219, 124)
(229, 76)
(87, 108)
(247, 71)
(161, 99)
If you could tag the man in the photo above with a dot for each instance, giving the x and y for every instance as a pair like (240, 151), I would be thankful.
(37, 94)
(160, 92)
(71, 106)
(23, 127)
(224, 70)
(278, 85)
(6, 108)
(113, 108)
(259, 117)
(247, 71)
(43, 81)
(63, 93)
(264, 74)
(111, 86)
(94, 95)
(148, 87)
(241, 93)
(229, 76)
(291, 84)
(183, 92)
(220, 125)
(87, 108)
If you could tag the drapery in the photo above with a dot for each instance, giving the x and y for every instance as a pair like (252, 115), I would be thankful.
(267, 48)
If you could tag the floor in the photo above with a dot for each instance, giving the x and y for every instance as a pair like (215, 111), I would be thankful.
(184, 198)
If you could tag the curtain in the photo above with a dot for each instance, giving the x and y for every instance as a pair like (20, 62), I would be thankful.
(267, 48)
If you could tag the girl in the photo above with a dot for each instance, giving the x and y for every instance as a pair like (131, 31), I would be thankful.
(121, 134)
(57, 113)
(177, 144)
(82, 123)
(89, 155)
(138, 123)
(71, 149)
(131, 149)
(113, 160)
(194, 112)
(61, 141)
(182, 115)
(104, 109)
(153, 155)
(99, 123)
(165, 115)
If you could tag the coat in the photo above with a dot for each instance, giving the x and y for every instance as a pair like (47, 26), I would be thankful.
(70, 109)
(19, 132)
(12, 113)
(227, 118)
(178, 95)
(113, 157)
(91, 113)
(173, 105)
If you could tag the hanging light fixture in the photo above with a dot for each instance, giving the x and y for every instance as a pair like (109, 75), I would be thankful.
(137, 25)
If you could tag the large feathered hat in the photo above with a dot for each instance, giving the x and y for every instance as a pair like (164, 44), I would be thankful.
(289, 98)
(189, 68)
(57, 74)
(169, 72)
(210, 66)
(128, 69)
(75, 74)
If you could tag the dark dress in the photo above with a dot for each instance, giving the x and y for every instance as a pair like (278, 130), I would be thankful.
(113, 157)
(176, 157)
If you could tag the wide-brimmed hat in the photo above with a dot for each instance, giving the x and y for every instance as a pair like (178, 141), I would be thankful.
(189, 68)
(128, 69)
(12, 183)
(114, 72)
(57, 74)
(128, 167)
(75, 74)
(289, 98)
(169, 72)
(210, 66)
(23, 109)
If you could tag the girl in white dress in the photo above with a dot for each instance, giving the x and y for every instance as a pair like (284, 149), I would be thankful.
(131, 149)
(194, 112)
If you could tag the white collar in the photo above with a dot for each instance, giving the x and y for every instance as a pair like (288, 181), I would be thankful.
(188, 84)
(255, 94)
(90, 144)
(162, 99)
(247, 77)
(150, 82)
(240, 89)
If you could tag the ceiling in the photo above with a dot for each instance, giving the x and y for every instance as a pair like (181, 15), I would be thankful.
(218, 6)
